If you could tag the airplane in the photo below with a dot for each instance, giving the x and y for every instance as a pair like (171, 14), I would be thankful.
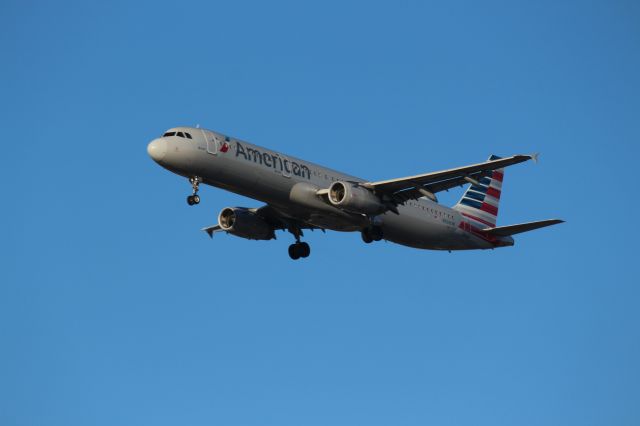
(299, 195)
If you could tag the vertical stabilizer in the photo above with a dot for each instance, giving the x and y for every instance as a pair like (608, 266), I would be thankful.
(479, 203)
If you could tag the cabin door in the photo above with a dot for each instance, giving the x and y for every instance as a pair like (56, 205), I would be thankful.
(212, 143)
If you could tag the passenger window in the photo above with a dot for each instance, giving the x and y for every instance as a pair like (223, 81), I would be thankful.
(187, 135)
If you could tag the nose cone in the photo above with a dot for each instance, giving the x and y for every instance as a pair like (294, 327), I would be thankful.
(157, 149)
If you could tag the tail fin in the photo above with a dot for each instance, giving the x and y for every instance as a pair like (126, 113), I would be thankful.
(480, 202)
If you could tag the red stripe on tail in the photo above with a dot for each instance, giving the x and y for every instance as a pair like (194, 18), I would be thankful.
(495, 193)
(489, 209)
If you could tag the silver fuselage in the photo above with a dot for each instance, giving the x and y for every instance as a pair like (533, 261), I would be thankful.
(289, 185)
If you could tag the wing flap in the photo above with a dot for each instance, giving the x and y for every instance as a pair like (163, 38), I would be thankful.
(505, 231)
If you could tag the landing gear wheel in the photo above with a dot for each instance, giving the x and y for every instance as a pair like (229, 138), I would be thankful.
(371, 233)
(376, 233)
(293, 252)
(304, 249)
(298, 250)
(196, 199)
(190, 200)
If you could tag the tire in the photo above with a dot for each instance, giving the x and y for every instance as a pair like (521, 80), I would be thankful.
(294, 252)
(196, 199)
(305, 249)
(366, 236)
(376, 233)
(190, 200)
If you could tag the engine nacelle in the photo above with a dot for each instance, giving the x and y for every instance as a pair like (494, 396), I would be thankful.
(354, 198)
(245, 224)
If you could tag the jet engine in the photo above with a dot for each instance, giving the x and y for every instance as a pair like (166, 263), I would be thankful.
(354, 198)
(244, 223)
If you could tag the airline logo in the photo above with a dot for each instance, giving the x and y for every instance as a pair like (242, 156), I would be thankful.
(225, 145)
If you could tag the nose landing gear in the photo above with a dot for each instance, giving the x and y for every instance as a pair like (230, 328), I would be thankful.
(195, 183)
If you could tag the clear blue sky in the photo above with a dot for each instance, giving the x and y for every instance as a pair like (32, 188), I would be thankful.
(116, 310)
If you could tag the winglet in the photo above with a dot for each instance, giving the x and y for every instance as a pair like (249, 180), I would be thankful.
(535, 156)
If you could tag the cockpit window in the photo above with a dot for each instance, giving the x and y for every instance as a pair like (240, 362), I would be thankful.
(178, 134)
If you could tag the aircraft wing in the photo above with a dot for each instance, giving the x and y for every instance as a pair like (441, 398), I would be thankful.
(413, 187)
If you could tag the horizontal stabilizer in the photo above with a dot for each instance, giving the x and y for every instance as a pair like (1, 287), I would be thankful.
(211, 229)
(505, 231)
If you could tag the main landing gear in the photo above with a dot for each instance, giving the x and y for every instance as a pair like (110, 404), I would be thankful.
(298, 249)
(371, 234)
(194, 198)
